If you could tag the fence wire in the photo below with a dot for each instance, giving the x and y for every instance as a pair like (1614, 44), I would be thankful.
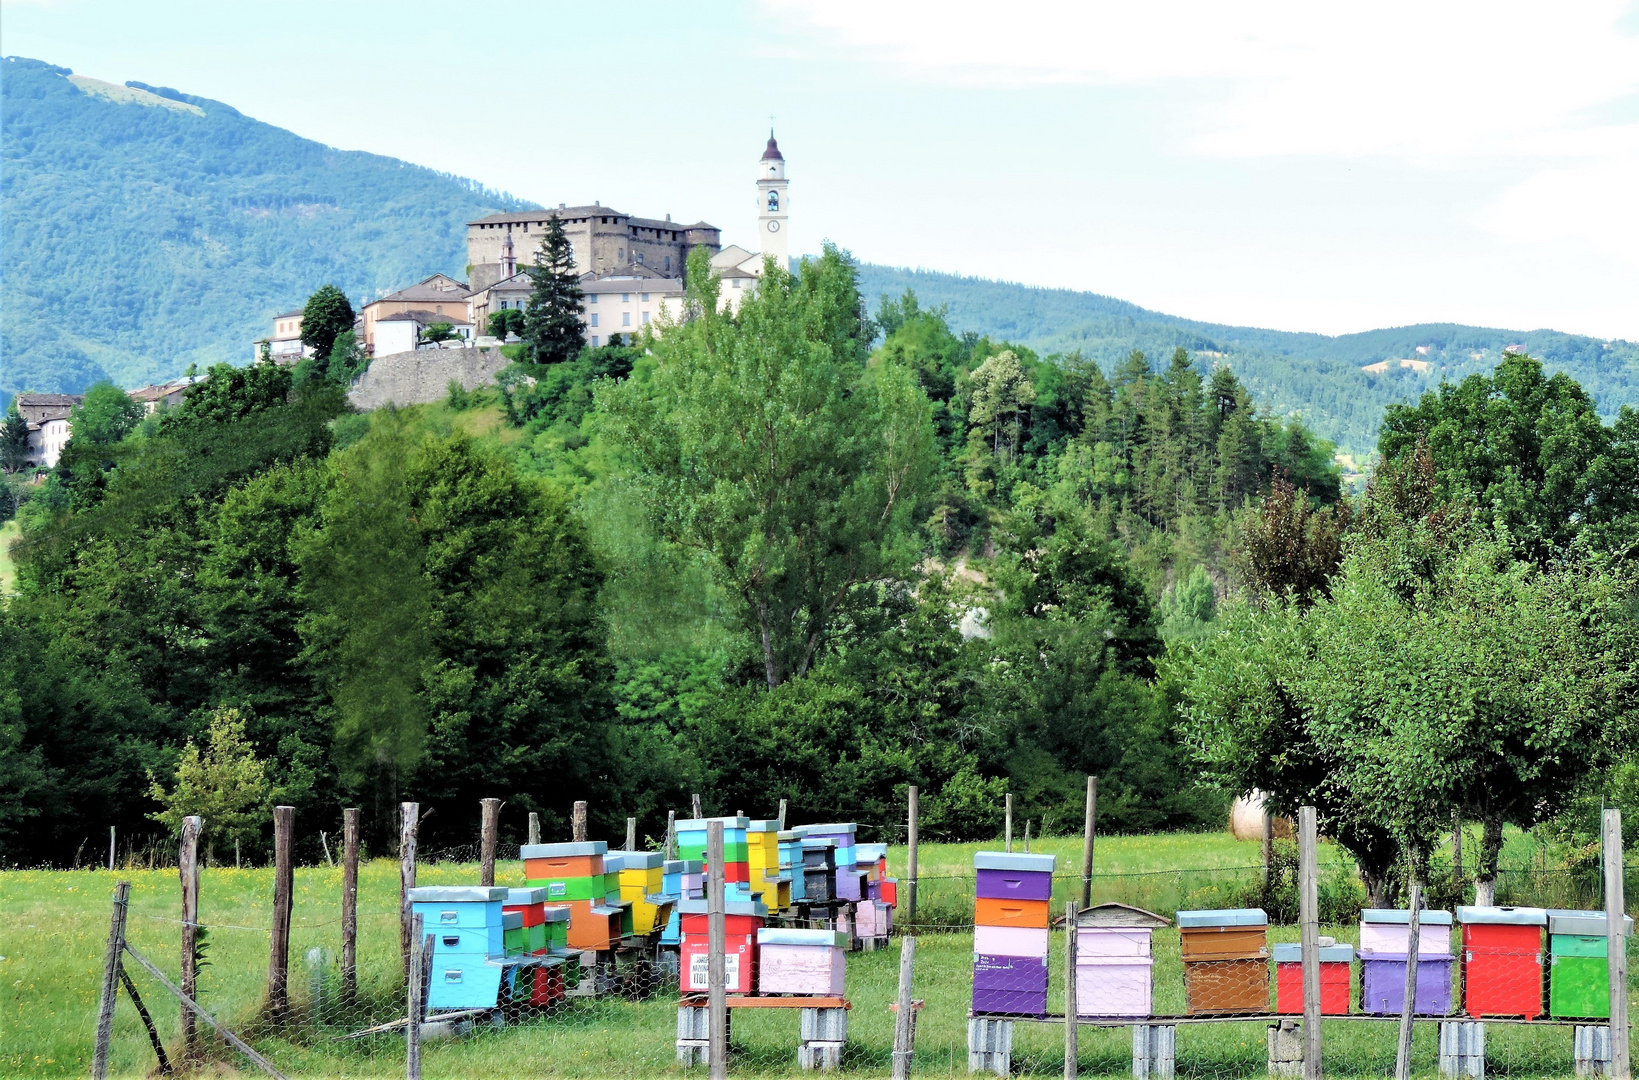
(618, 1016)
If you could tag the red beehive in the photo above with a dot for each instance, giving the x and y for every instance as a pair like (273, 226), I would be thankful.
(1502, 960)
(1334, 979)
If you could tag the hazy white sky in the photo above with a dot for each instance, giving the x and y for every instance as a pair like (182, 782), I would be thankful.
(1294, 165)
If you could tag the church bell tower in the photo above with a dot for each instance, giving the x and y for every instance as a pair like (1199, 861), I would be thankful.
(773, 203)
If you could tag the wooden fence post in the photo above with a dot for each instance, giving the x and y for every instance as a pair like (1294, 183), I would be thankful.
(910, 861)
(188, 869)
(1457, 853)
(1072, 1049)
(698, 813)
(671, 834)
(1089, 831)
(534, 827)
(577, 822)
(488, 829)
(1402, 1054)
(1616, 948)
(1007, 823)
(408, 817)
(1268, 847)
(349, 903)
(716, 919)
(278, 966)
(782, 815)
(110, 981)
(1309, 924)
(631, 834)
(904, 1028)
(412, 1025)
(111, 845)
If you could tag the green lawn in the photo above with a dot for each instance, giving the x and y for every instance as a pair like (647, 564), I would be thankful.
(54, 924)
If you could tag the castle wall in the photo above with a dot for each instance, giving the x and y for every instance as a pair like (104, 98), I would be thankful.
(423, 376)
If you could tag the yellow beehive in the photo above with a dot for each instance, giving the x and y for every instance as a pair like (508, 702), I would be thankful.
(642, 877)
(763, 846)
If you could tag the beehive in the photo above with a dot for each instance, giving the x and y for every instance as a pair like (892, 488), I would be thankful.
(1010, 935)
(642, 885)
(1226, 960)
(741, 921)
(1502, 960)
(1579, 980)
(1385, 935)
(530, 906)
(847, 881)
(790, 846)
(801, 961)
(468, 929)
(1335, 964)
(1114, 960)
(818, 870)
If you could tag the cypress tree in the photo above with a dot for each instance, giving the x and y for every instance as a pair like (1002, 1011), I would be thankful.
(553, 331)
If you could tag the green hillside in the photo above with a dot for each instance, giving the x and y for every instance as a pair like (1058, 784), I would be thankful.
(147, 229)
(1312, 375)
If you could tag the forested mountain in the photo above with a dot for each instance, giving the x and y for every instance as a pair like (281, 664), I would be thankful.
(1315, 376)
(147, 229)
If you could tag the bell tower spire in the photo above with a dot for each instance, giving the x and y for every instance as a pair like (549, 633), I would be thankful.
(773, 209)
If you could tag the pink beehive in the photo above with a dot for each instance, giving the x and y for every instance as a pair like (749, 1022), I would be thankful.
(1113, 960)
(801, 962)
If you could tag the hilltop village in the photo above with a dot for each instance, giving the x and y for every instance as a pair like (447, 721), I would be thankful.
(441, 329)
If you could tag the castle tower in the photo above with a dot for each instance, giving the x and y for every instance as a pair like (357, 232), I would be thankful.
(773, 203)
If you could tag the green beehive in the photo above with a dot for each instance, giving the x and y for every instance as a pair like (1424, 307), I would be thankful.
(514, 936)
(1578, 967)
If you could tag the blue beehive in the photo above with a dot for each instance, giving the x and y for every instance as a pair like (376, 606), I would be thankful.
(468, 929)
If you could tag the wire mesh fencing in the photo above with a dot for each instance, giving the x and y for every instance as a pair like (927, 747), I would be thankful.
(619, 1017)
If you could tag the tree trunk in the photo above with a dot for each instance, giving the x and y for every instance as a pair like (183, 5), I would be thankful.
(770, 668)
(1377, 887)
(1485, 874)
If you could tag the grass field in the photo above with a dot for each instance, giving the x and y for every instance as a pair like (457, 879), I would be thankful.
(54, 925)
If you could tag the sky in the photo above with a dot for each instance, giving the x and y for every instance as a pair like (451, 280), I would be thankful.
(1298, 166)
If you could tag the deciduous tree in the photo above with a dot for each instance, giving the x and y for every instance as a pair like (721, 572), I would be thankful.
(326, 316)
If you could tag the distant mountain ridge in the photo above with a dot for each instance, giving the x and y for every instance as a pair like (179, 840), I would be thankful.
(146, 229)
(1316, 376)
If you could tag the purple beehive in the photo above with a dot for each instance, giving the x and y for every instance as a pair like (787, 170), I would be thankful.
(1383, 984)
(1014, 884)
(1010, 984)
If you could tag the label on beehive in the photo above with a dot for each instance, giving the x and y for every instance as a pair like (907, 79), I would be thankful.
(700, 970)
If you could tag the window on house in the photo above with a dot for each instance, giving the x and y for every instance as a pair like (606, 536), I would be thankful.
(668, 262)
(646, 323)
(594, 318)
(595, 345)
(625, 298)
(625, 318)
(736, 283)
(645, 297)
(640, 263)
(592, 298)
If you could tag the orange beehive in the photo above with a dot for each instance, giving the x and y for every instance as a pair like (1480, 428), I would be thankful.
(998, 911)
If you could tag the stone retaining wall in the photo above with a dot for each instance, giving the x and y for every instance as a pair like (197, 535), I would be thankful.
(423, 376)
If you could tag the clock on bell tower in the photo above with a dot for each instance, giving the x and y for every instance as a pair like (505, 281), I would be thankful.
(773, 203)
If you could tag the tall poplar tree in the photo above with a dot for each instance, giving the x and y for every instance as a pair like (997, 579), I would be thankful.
(553, 330)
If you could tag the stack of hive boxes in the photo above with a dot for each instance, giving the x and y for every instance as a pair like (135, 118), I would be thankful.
(468, 930)
(1010, 935)
(613, 863)
(849, 881)
(1385, 942)
(808, 962)
(573, 875)
(819, 870)
(791, 862)
(873, 915)
(683, 879)
(763, 853)
(643, 888)
(1502, 960)
(1114, 960)
(742, 920)
(1579, 978)
(691, 844)
(546, 932)
(1226, 960)
(1335, 963)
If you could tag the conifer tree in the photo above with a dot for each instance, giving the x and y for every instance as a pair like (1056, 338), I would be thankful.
(13, 440)
(553, 331)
